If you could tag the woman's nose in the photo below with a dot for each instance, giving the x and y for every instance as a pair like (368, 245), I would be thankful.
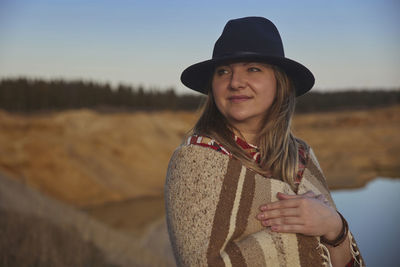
(237, 81)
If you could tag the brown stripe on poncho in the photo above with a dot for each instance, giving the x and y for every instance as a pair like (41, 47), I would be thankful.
(212, 201)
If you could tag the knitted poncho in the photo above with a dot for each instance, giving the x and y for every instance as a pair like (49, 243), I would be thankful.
(212, 201)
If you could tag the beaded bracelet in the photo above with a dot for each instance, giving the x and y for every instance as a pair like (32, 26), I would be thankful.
(342, 235)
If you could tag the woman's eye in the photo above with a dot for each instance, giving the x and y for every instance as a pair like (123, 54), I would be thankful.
(254, 69)
(221, 71)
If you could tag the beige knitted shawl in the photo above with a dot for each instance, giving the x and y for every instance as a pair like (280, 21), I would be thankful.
(212, 201)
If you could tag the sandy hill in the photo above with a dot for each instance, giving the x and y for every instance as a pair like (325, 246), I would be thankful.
(39, 231)
(85, 158)
(354, 147)
(88, 159)
(93, 182)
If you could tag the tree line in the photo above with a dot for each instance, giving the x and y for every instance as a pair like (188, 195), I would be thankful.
(33, 95)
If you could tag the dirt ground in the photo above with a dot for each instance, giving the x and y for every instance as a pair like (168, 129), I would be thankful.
(354, 147)
(112, 166)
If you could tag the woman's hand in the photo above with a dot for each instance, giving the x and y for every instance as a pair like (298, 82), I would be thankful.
(307, 214)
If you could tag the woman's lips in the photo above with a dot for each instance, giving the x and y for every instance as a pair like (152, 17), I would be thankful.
(238, 98)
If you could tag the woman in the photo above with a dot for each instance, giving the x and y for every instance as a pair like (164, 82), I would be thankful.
(242, 190)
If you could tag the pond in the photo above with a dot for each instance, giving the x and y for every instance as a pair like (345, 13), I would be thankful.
(373, 214)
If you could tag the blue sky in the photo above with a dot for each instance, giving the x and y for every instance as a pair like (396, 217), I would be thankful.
(346, 44)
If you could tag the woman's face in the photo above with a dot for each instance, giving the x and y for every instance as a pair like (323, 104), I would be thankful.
(243, 92)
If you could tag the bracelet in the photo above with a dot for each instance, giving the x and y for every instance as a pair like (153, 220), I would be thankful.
(341, 237)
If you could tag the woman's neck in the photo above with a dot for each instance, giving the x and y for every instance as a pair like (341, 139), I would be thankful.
(249, 136)
(248, 130)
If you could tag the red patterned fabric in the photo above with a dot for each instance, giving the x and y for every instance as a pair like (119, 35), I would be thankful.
(252, 150)
(302, 163)
(207, 142)
(351, 263)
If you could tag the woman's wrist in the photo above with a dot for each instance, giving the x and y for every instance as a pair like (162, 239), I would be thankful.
(338, 235)
(336, 228)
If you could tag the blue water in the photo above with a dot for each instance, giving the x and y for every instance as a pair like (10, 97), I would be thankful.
(373, 214)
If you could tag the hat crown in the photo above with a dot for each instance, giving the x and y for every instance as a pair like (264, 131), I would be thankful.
(250, 35)
(248, 39)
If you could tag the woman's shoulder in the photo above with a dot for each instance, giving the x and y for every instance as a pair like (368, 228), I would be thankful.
(192, 163)
(198, 150)
(306, 152)
(311, 164)
(206, 141)
(303, 152)
(303, 145)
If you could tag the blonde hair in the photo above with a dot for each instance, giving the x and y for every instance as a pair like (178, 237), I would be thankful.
(278, 146)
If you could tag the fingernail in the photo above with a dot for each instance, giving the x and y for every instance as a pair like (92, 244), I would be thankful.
(263, 208)
(261, 216)
(274, 228)
(265, 223)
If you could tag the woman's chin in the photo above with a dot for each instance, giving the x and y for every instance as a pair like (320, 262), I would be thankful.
(237, 119)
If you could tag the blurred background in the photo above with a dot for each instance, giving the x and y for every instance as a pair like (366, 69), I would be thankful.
(91, 109)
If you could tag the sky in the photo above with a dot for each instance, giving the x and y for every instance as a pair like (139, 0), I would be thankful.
(346, 44)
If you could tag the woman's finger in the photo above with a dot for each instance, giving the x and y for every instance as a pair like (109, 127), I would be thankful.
(287, 203)
(282, 220)
(322, 198)
(276, 213)
(287, 228)
(283, 196)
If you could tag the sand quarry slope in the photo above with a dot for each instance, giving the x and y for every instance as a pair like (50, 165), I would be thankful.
(98, 178)
(87, 159)
(37, 230)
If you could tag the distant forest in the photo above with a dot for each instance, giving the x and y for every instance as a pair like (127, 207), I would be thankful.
(34, 95)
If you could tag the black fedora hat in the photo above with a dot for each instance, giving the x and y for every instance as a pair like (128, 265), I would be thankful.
(248, 39)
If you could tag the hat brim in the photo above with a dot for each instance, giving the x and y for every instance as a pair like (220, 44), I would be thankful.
(197, 76)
